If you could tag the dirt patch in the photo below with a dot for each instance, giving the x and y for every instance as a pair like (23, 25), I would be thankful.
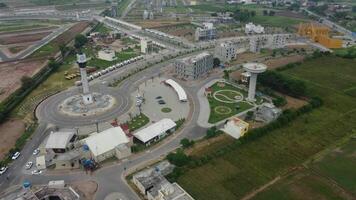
(279, 62)
(203, 146)
(87, 189)
(9, 132)
(291, 14)
(293, 102)
(14, 39)
(159, 23)
(12, 72)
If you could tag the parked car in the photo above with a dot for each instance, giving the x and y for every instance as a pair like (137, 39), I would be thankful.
(3, 170)
(28, 165)
(161, 102)
(36, 172)
(36, 151)
(159, 97)
(15, 156)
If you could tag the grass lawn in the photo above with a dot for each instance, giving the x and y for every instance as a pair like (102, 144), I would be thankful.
(46, 50)
(101, 28)
(241, 171)
(276, 21)
(121, 56)
(122, 5)
(138, 122)
(220, 110)
(166, 110)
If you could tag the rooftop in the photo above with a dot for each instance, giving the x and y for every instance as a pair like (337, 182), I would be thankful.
(105, 141)
(59, 140)
(148, 133)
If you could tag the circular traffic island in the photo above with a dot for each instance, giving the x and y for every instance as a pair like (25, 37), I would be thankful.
(166, 110)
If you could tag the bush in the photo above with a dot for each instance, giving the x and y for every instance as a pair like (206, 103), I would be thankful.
(186, 143)
(178, 158)
(212, 132)
(279, 101)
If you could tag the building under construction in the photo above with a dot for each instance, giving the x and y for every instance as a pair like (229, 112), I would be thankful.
(320, 34)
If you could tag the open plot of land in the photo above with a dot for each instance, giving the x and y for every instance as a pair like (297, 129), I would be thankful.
(53, 47)
(23, 38)
(243, 170)
(12, 72)
(9, 132)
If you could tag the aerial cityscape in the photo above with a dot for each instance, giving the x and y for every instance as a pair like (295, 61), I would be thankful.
(177, 99)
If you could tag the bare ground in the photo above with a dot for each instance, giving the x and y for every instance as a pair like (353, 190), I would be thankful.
(11, 73)
(87, 189)
(279, 62)
(9, 132)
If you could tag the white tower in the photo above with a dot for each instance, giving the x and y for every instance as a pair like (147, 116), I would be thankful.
(254, 69)
(82, 62)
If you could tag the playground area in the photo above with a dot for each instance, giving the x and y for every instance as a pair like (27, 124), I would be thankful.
(226, 100)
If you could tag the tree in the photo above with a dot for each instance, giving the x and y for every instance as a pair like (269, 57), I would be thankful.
(272, 13)
(249, 115)
(216, 62)
(26, 81)
(186, 143)
(226, 74)
(3, 5)
(265, 12)
(178, 159)
(63, 49)
(80, 41)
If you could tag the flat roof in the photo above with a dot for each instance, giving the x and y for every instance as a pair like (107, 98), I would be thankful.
(182, 96)
(105, 141)
(58, 140)
(154, 130)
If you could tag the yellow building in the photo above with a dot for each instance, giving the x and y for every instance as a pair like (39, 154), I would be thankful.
(236, 127)
(320, 34)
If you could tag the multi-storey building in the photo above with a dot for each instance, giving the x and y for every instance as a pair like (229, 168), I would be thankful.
(225, 51)
(207, 32)
(194, 67)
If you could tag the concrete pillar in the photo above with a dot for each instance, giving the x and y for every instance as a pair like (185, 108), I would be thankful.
(252, 87)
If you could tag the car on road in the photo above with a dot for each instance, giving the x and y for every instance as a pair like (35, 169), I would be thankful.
(161, 102)
(3, 170)
(28, 165)
(36, 151)
(15, 156)
(36, 172)
(159, 97)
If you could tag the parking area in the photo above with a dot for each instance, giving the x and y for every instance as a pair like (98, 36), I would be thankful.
(161, 101)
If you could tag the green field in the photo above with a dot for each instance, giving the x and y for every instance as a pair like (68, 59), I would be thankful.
(138, 122)
(121, 56)
(220, 110)
(101, 28)
(246, 168)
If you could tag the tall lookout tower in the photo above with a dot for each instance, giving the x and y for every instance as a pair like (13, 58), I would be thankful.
(82, 62)
(254, 69)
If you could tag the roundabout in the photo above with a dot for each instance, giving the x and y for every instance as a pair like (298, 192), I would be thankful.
(65, 110)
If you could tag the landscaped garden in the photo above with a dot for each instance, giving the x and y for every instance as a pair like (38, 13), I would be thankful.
(227, 100)
(235, 171)
(138, 122)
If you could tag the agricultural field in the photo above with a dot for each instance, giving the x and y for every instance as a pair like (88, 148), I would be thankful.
(227, 101)
(243, 170)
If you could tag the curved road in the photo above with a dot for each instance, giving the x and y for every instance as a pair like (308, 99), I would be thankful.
(109, 178)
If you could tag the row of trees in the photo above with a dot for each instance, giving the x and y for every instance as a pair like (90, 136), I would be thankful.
(28, 84)
(283, 84)
(243, 15)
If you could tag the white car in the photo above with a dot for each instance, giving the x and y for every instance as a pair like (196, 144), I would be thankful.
(35, 152)
(3, 170)
(15, 156)
(36, 172)
(28, 165)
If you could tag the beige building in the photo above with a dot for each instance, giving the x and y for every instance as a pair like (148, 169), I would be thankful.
(235, 127)
(109, 143)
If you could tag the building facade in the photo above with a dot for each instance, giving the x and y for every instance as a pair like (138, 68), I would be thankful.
(207, 32)
(225, 51)
(194, 67)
